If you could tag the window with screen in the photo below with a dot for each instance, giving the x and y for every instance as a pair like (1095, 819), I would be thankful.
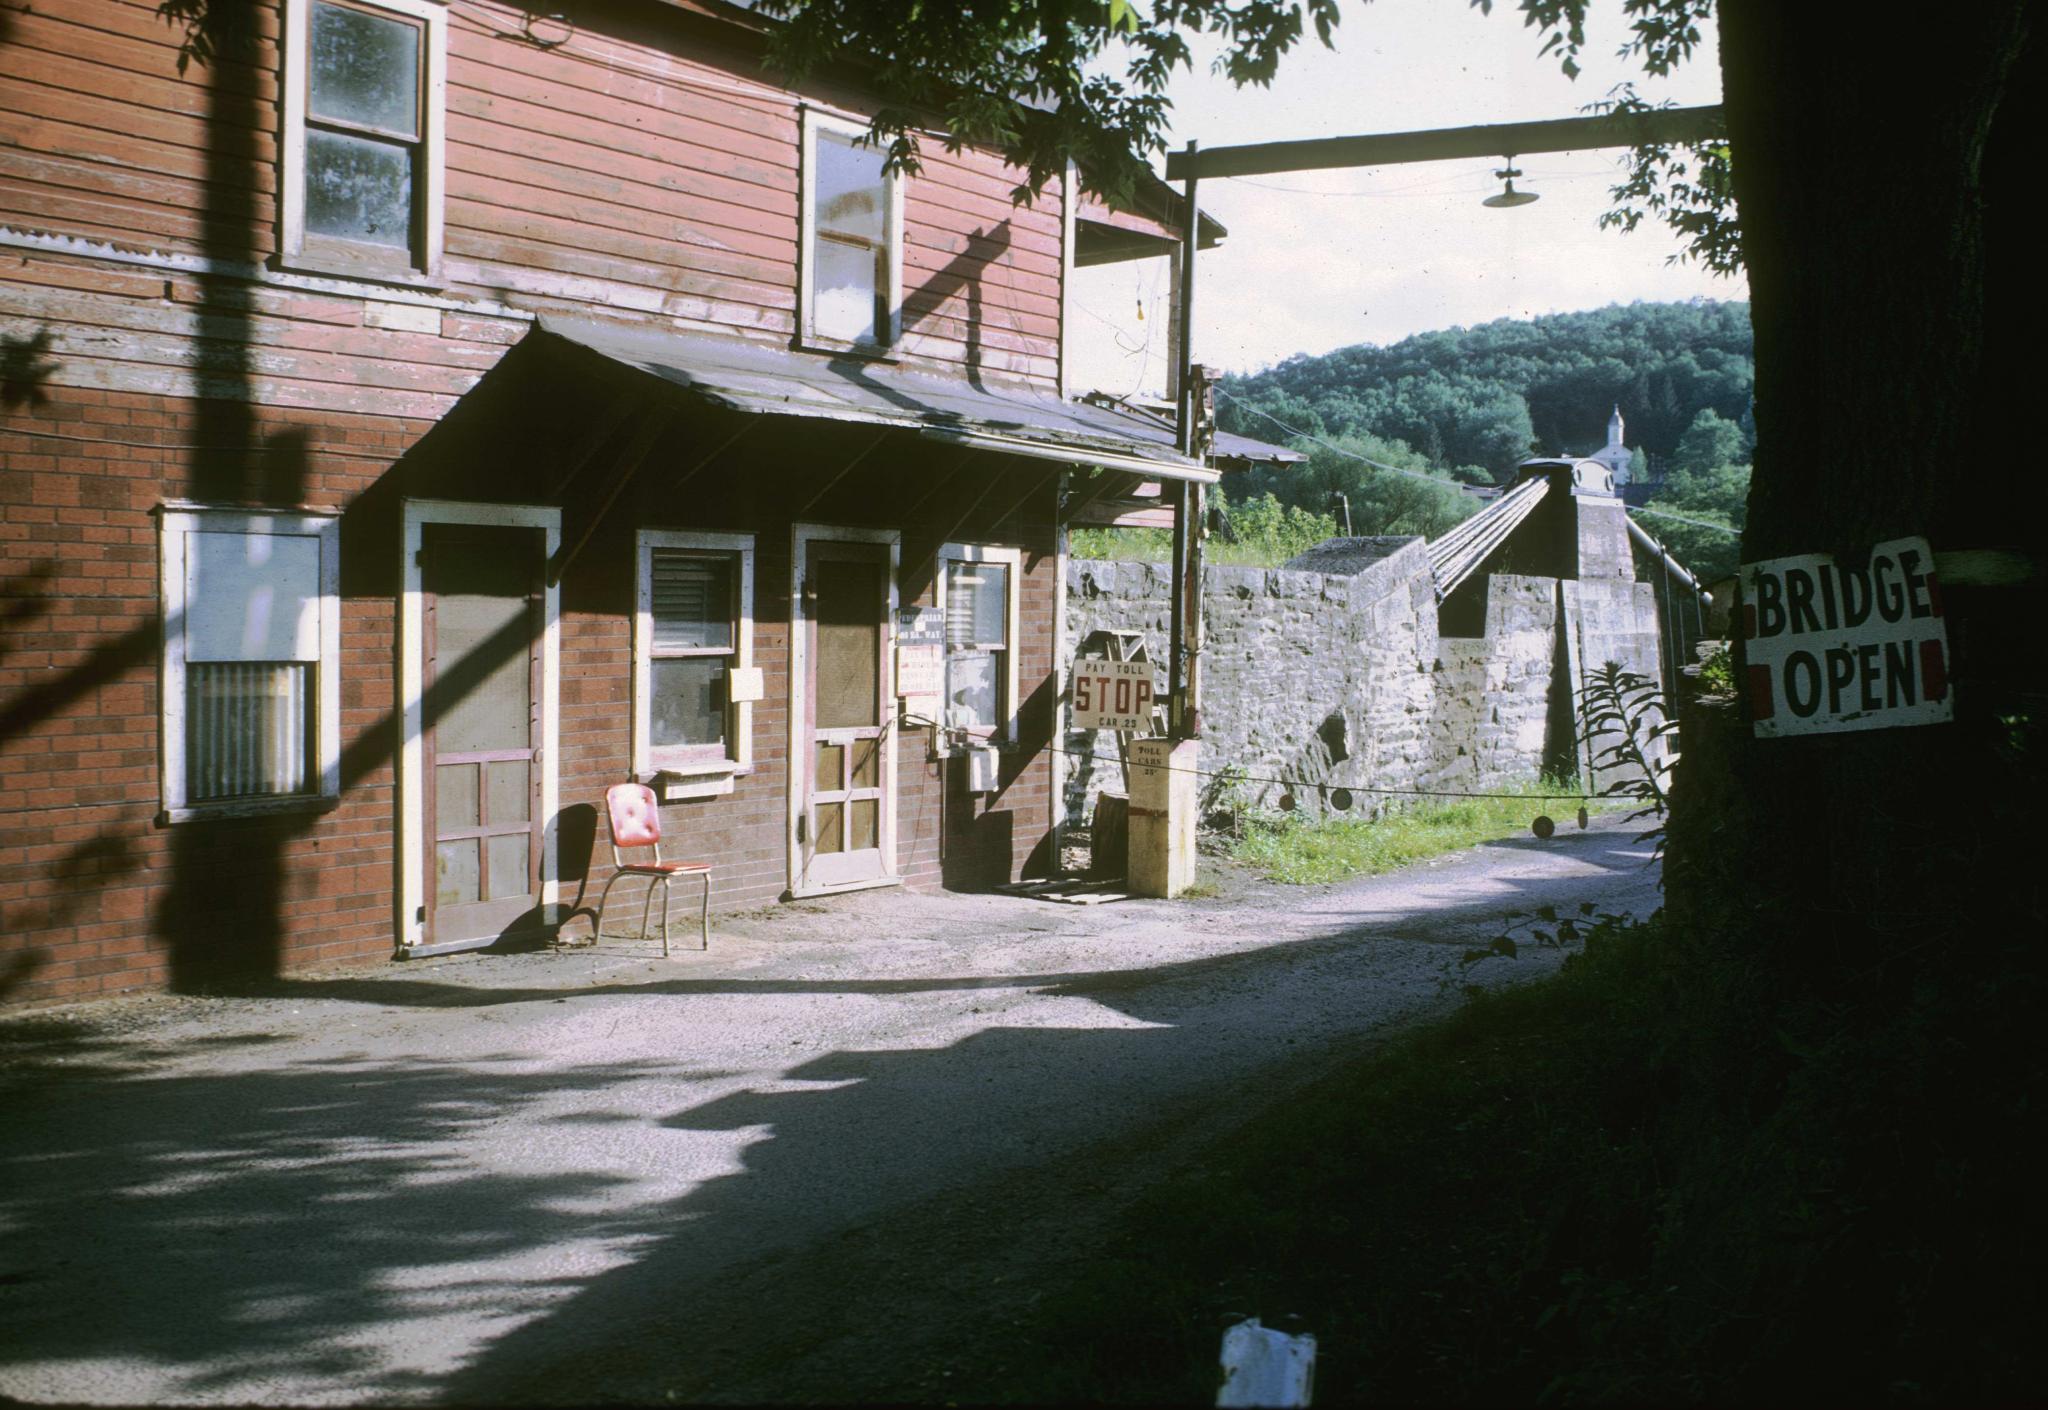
(978, 597)
(851, 220)
(693, 634)
(250, 662)
(362, 140)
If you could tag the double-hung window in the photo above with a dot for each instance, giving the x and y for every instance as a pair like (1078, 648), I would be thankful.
(362, 150)
(852, 218)
(978, 600)
(250, 687)
(694, 681)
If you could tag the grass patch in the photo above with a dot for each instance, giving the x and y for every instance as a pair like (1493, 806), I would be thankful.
(1309, 851)
(1606, 1186)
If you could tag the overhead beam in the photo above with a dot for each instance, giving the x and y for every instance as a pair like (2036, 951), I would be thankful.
(1654, 127)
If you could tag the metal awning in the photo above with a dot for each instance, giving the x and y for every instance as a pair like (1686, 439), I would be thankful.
(1003, 417)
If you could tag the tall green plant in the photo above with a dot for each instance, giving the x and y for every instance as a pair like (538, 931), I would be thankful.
(1622, 718)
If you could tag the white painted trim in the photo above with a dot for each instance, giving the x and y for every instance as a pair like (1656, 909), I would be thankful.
(1070, 192)
(411, 887)
(174, 525)
(741, 747)
(1057, 733)
(801, 536)
(432, 16)
(815, 121)
(1006, 733)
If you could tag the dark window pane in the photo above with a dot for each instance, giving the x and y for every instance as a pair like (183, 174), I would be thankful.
(248, 729)
(867, 763)
(482, 696)
(456, 882)
(511, 873)
(863, 825)
(972, 692)
(366, 69)
(976, 597)
(831, 772)
(359, 189)
(455, 796)
(692, 601)
(831, 827)
(511, 788)
(849, 641)
(686, 702)
(849, 190)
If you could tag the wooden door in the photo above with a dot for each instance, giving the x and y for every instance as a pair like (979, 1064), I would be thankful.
(844, 819)
(482, 715)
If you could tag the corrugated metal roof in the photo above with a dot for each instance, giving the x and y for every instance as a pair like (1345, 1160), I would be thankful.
(998, 416)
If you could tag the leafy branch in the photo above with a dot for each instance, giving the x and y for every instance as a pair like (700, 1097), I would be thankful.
(1623, 718)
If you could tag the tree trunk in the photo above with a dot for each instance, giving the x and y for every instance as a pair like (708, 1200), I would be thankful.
(1879, 168)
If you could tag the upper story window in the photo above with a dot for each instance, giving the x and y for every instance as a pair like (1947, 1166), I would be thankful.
(978, 600)
(694, 682)
(362, 151)
(852, 239)
(250, 689)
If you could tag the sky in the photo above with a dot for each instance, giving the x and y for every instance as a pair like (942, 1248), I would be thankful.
(1326, 259)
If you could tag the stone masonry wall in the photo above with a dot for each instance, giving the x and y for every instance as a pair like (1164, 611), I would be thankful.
(1336, 679)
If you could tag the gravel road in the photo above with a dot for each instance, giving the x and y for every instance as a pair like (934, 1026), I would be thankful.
(828, 1160)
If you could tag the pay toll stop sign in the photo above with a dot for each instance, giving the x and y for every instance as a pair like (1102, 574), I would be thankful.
(1833, 648)
(1113, 695)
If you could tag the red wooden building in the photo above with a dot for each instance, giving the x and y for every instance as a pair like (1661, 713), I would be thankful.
(430, 414)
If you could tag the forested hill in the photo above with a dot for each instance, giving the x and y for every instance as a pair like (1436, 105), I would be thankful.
(1480, 399)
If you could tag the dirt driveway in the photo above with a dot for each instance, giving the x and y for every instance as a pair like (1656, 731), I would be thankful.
(828, 1160)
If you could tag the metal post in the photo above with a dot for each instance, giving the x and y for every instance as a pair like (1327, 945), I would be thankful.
(1178, 672)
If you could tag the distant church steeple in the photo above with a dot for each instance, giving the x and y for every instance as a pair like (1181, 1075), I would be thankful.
(1614, 455)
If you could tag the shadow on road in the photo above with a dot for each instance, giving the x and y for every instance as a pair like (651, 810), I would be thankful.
(285, 1228)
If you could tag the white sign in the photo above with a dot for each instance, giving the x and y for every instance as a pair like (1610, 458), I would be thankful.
(1113, 695)
(1833, 648)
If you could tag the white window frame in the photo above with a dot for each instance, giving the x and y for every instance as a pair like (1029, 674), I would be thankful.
(420, 261)
(1005, 733)
(815, 122)
(681, 776)
(176, 523)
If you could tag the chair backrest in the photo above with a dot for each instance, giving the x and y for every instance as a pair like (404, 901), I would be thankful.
(636, 821)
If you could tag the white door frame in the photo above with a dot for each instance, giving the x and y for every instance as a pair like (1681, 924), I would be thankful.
(801, 536)
(409, 920)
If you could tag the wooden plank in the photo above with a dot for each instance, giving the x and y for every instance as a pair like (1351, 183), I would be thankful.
(94, 373)
(738, 229)
(760, 130)
(746, 183)
(33, 32)
(99, 179)
(1577, 134)
(738, 303)
(544, 228)
(30, 102)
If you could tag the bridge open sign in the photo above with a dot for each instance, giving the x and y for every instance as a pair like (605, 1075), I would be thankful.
(1833, 648)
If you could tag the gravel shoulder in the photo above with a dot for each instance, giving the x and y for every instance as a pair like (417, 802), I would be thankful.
(833, 1159)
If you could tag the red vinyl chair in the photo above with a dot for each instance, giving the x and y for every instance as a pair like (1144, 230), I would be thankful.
(636, 823)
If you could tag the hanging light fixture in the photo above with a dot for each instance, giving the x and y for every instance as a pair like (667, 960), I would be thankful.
(1509, 197)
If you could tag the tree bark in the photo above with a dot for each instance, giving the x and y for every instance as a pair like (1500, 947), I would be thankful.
(1879, 166)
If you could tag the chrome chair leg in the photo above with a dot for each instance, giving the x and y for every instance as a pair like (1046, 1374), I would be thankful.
(604, 898)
